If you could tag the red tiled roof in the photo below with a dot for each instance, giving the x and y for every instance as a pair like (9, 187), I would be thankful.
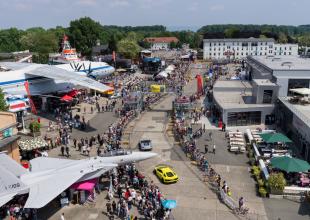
(161, 39)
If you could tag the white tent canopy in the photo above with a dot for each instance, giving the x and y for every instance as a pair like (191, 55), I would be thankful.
(170, 68)
(301, 91)
(163, 74)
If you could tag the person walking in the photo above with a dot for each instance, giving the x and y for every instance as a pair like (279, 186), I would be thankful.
(206, 149)
(62, 216)
(214, 148)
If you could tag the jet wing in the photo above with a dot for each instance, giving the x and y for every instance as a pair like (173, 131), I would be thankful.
(6, 198)
(46, 190)
(42, 192)
(46, 163)
(53, 72)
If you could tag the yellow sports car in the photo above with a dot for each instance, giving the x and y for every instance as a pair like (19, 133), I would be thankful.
(166, 174)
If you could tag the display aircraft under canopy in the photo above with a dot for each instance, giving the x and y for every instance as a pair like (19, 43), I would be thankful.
(43, 79)
(40, 182)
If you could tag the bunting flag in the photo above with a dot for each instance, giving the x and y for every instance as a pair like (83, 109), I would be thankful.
(33, 108)
(199, 84)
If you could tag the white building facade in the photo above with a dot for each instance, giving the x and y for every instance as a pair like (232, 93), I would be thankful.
(159, 46)
(241, 48)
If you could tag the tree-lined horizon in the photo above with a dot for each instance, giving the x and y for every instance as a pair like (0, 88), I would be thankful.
(84, 33)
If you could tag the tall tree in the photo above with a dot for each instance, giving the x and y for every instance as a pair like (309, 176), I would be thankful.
(282, 38)
(84, 34)
(128, 48)
(3, 105)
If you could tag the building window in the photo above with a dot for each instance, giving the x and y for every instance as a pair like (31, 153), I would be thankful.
(260, 53)
(284, 53)
(275, 48)
(243, 118)
(210, 54)
(290, 48)
(284, 48)
(246, 53)
(242, 54)
(214, 54)
(267, 97)
(289, 53)
(210, 45)
(254, 44)
(244, 44)
(265, 53)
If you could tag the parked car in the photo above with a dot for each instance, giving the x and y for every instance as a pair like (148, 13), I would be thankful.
(116, 95)
(145, 144)
(165, 174)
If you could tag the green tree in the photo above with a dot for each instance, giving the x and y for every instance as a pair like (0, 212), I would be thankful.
(3, 105)
(44, 43)
(304, 40)
(10, 40)
(282, 38)
(84, 33)
(231, 32)
(276, 182)
(128, 48)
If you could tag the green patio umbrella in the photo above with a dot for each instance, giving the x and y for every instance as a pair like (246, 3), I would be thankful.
(290, 164)
(275, 138)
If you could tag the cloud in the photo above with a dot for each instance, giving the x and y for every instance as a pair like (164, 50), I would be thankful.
(216, 7)
(87, 2)
(119, 3)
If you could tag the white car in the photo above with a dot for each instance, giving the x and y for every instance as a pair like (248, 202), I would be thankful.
(116, 95)
(145, 144)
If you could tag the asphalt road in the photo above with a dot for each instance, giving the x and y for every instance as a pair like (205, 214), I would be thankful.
(194, 198)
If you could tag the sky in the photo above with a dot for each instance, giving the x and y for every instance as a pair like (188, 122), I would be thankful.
(186, 13)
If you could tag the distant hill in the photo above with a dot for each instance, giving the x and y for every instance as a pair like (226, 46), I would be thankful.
(262, 29)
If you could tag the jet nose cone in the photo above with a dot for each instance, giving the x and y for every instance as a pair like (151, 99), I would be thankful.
(146, 155)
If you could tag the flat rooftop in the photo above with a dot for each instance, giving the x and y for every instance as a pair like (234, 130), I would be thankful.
(282, 62)
(235, 94)
(251, 39)
(301, 111)
(264, 82)
(232, 84)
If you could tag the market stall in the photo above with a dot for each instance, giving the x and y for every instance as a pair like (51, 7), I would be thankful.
(29, 148)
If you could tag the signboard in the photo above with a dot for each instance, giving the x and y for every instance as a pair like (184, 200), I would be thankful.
(158, 88)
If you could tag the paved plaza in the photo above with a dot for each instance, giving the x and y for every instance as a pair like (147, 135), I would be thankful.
(195, 198)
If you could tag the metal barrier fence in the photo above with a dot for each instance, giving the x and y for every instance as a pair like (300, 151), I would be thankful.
(228, 200)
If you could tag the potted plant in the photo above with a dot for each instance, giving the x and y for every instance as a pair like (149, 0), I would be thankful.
(35, 128)
(262, 192)
(276, 183)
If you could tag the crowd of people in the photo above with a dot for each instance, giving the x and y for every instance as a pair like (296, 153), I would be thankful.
(133, 190)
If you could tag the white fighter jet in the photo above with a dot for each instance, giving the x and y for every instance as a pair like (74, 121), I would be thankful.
(48, 177)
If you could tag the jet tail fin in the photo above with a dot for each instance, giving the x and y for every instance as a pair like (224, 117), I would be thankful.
(11, 165)
(10, 186)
